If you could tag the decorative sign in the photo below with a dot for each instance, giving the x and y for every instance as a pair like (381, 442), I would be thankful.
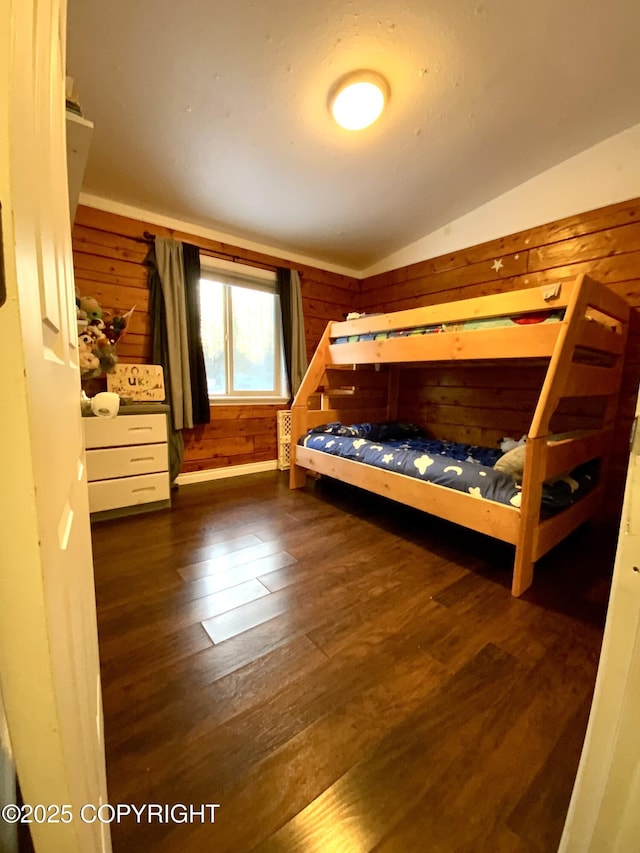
(137, 382)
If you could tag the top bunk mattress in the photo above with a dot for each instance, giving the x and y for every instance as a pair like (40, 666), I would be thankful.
(531, 318)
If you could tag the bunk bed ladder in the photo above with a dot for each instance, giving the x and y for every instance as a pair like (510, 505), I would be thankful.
(300, 407)
(558, 379)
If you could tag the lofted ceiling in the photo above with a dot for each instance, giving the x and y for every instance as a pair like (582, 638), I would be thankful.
(216, 112)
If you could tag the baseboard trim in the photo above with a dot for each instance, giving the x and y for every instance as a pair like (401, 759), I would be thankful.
(228, 471)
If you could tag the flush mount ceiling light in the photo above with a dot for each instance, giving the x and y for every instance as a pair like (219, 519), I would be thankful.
(358, 98)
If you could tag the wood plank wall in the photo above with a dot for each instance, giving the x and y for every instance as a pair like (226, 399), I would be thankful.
(108, 258)
(465, 403)
(109, 252)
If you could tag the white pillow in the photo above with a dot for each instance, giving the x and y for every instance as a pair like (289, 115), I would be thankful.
(512, 463)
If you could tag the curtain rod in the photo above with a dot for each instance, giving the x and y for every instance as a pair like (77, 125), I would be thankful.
(148, 237)
(238, 259)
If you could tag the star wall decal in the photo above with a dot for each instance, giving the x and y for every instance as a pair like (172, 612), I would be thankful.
(497, 265)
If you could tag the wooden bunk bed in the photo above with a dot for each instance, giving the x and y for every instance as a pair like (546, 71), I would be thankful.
(351, 380)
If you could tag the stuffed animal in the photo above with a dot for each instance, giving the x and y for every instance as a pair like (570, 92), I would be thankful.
(98, 337)
(97, 354)
(108, 358)
(89, 361)
(509, 443)
(115, 328)
(91, 308)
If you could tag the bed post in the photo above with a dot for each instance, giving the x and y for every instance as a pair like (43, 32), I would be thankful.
(297, 475)
(300, 406)
(535, 460)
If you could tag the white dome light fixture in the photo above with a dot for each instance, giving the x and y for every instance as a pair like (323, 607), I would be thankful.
(358, 98)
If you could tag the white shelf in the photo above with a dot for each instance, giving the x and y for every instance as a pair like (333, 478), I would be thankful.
(79, 133)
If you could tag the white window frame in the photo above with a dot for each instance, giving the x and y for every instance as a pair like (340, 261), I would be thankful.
(252, 278)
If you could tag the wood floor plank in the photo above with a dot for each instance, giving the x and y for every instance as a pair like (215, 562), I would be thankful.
(344, 628)
(224, 561)
(137, 693)
(274, 789)
(541, 702)
(539, 815)
(227, 625)
(312, 605)
(235, 746)
(189, 603)
(182, 614)
(233, 545)
(142, 577)
(228, 578)
(141, 689)
(472, 625)
(170, 597)
(213, 704)
(232, 597)
(373, 685)
(338, 548)
(154, 649)
(463, 704)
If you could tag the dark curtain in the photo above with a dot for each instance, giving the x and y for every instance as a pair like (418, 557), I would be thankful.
(283, 279)
(199, 390)
(160, 355)
(295, 348)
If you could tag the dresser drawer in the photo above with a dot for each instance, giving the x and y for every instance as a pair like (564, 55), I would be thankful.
(128, 491)
(124, 430)
(126, 461)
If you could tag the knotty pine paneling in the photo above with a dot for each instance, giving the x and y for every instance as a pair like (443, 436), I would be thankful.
(109, 253)
(605, 243)
(480, 404)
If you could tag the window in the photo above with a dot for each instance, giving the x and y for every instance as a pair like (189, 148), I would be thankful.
(241, 333)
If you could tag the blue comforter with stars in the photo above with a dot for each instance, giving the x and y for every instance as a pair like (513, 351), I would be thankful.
(403, 449)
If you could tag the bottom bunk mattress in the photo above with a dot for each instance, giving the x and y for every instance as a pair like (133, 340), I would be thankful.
(403, 449)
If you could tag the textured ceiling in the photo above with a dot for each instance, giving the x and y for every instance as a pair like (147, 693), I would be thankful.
(216, 113)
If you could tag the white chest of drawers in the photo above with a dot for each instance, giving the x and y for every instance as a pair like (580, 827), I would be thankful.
(127, 463)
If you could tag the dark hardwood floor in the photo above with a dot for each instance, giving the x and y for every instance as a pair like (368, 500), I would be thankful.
(340, 674)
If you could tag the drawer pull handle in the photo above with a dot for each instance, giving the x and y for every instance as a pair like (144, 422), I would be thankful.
(145, 489)
(142, 459)
(140, 429)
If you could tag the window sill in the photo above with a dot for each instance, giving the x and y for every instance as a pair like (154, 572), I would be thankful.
(248, 401)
